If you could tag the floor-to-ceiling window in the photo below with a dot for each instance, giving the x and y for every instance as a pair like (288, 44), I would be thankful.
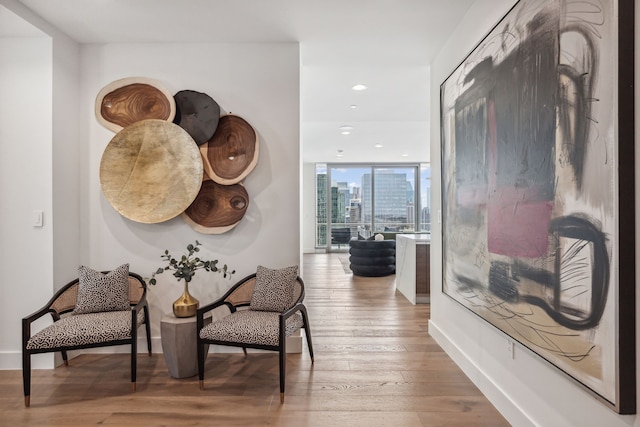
(363, 199)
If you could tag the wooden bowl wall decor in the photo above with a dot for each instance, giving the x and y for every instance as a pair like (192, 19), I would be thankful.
(217, 208)
(126, 101)
(151, 171)
(232, 152)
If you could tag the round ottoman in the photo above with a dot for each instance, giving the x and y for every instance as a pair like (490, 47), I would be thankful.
(372, 258)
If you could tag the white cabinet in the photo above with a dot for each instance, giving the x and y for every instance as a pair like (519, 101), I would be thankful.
(412, 266)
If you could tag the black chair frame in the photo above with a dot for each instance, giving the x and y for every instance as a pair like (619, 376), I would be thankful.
(57, 306)
(240, 296)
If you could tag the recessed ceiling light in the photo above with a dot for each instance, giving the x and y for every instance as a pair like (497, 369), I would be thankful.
(353, 106)
(378, 145)
(345, 130)
(359, 86)
(339, 154)
(405, 155)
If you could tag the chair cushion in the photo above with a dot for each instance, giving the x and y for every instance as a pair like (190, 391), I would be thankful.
(83, 329)
(273, 290)
(251, 327)
(98, 292)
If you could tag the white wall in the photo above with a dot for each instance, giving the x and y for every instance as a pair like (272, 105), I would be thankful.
(39, 144)
(527, 390)
(259, 82)
(309, 207)
(38, 117)
(65, 184)
(25, 184)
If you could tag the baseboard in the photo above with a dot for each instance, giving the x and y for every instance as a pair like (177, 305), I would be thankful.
(13, 360)
(509, 409)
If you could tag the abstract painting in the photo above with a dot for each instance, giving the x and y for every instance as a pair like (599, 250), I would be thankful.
(538, 188)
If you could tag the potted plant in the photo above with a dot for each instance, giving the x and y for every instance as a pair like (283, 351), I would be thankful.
(185, 268)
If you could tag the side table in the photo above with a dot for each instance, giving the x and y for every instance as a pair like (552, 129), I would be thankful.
(180, 345)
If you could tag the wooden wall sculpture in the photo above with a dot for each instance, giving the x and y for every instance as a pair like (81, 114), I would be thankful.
(198, 114)
(151, 171)
(126, 101)
(217, 208)
(232, 152)
(174, 155)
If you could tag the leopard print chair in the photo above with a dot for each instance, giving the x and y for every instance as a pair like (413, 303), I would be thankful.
(77, 331)
(253, 327)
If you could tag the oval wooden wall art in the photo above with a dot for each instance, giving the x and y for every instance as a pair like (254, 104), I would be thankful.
(198, 114)
(151, 171)
(217, 208)
(232, 152)
(126, 101)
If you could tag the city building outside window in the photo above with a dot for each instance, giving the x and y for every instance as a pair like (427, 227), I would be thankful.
(364, 199)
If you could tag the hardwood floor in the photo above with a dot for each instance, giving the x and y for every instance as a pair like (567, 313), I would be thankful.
(375, 365)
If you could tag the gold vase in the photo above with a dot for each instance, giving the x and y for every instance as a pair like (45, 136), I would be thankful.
(186, 305)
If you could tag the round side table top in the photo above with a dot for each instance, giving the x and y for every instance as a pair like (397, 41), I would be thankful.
(171, 318)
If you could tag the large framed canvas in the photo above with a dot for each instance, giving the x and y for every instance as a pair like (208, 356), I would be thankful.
(538, 187)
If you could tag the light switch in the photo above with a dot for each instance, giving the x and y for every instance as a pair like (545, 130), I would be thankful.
(38, 218)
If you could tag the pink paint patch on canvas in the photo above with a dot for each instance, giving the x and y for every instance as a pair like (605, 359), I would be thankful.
(519, 229)
(471, 196)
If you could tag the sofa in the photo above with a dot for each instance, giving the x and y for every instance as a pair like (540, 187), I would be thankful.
(372, 258)
(340, 236)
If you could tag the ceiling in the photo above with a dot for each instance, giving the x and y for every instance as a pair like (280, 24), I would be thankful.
(385, 44)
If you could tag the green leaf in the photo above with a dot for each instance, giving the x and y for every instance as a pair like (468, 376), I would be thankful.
(187, 265)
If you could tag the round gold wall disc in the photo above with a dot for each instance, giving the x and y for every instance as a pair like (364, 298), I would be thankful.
(151, 171)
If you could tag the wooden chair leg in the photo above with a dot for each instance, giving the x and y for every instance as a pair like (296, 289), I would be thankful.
(201, 362)
(307, 332)
(244, 349)
(283, 366)
(147, 328)
(134, 362)
(26, 377)
(65, 357)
